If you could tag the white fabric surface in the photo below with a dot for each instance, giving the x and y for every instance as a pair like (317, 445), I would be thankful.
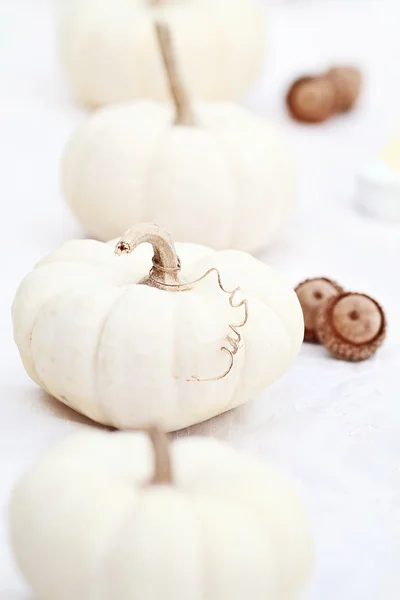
(333, 427)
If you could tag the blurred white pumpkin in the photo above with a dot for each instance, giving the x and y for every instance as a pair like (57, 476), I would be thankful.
(126, 355)
(110, 55)
(94, 519)
(217, 176)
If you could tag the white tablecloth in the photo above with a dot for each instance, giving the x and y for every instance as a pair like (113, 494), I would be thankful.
(333, 427)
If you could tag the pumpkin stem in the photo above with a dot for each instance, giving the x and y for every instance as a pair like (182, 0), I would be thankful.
(166, 264)
(162, 467)
(164, 276)
(183, 109)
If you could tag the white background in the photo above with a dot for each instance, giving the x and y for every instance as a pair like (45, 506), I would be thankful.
(333, 427)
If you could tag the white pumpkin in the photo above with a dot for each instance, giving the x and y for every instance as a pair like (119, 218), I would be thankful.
(94, 520)
(127, 355)
(217, 176)
(110, 53)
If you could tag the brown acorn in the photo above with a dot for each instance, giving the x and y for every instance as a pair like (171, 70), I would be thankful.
(316, 99)
(311, 99)
(312, 294)
(351, 326)
(347, 83)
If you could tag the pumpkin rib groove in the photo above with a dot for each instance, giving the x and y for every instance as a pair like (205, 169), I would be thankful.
(174, 353)
(81, 144)
(148, 203)
(285, 329)
(286, 334)
(205, 585)
(231, 163)
(96, 369)
(117, 534)
(289, 333)
(42, 308)
(39, 379)
(243, 365)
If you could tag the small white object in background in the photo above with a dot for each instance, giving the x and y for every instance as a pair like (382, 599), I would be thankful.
(379, 184)
(106, 515)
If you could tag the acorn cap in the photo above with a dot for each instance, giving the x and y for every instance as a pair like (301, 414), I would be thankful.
(347, 84)
(312, 294)
(311, 99)
(351, 326)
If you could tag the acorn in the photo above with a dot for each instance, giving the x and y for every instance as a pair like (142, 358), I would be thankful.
(311, 99)
(347, 83)
(351, 326)
(316, 99)
(312, 294)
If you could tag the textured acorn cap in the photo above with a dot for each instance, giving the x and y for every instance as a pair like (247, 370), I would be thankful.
(312, 294)
(351, 326)
(311, 99)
